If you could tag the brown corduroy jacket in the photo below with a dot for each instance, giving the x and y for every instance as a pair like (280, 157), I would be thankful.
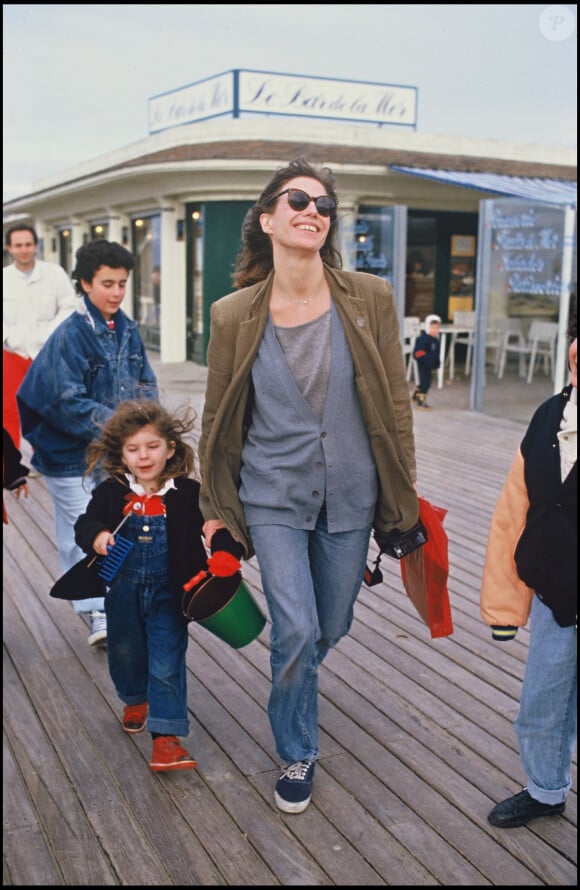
(366, 307)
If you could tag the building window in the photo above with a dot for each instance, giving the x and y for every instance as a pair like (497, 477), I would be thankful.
(99, 230)
(146, 232)
(420, 277)
(194, 298)
(65, 249)
(374, 240)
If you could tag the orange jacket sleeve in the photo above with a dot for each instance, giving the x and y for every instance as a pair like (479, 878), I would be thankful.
(504, 598)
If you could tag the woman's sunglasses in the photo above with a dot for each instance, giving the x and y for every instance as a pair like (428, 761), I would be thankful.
(299, 200)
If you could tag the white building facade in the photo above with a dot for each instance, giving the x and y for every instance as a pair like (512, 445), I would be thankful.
(409, 207)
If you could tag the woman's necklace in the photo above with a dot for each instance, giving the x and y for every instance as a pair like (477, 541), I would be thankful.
(304, 302)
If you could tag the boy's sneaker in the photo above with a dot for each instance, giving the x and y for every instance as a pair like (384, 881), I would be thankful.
(135, 717)
(98, 632)
(169, 755)
(294, 787)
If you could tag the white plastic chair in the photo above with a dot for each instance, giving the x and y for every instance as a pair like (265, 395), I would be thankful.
(462, 320)
(411, 330)
(540, 341)
(503, 330)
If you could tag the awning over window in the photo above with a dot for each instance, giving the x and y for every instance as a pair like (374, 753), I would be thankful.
(545, 191)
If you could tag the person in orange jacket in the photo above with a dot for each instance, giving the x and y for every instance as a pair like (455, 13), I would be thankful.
(530, 572)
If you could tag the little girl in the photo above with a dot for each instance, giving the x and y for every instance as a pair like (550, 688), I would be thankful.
(148, 463)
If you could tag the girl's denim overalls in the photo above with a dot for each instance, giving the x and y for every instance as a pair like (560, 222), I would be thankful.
(146, 634)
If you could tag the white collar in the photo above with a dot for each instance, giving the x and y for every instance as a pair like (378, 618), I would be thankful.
(138, 489)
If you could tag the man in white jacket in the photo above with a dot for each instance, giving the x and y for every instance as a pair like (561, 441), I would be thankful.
(37, 296)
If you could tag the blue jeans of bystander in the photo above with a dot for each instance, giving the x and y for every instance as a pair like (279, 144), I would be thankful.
(546, 724)
(70, 496)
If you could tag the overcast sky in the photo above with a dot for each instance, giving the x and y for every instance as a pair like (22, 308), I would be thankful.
(77, 79)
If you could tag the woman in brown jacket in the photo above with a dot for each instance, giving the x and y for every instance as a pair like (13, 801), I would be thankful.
(307, 439)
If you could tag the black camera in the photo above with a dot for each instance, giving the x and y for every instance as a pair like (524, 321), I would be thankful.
(398, 544)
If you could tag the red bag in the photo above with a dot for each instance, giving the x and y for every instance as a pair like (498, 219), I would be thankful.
(425, 571)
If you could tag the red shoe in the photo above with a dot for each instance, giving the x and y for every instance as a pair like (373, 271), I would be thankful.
(135, 717)
(168, 754)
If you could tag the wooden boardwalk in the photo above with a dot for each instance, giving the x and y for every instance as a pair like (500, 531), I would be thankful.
(417, 742)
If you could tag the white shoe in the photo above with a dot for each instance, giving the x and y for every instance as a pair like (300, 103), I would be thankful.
(98, 633)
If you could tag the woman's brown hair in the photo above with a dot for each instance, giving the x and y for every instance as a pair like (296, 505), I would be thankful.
(254, 261)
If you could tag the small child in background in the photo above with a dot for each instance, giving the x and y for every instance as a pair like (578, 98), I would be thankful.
(426, 354)
(148, 463)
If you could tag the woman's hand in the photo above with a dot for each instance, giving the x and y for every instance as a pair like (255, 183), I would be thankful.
(209, 528)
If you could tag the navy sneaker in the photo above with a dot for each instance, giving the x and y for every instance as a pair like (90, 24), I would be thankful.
(294, 787)
(520, 809)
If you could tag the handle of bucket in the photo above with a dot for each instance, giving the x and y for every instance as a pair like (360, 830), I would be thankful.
(195, 580)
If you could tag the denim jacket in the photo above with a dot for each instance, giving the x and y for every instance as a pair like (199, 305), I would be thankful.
(75, 383)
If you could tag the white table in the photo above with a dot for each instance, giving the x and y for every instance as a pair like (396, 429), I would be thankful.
(445, 329)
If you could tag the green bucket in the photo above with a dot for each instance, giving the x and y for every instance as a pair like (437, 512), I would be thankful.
(226, 607)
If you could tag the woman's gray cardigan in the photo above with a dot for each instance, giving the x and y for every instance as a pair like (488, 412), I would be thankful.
(366, 307)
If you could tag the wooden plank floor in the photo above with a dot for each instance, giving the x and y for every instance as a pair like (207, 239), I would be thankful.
(417, 742)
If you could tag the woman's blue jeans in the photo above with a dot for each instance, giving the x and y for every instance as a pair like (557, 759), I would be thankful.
(311, 580)
(546, 724)
(146, 635)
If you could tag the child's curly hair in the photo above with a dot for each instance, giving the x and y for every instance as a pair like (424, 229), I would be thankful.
(130, 417)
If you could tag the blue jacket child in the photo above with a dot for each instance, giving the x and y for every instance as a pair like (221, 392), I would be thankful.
(426, 354)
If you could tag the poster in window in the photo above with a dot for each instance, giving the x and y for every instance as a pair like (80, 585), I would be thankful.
(462, 274)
